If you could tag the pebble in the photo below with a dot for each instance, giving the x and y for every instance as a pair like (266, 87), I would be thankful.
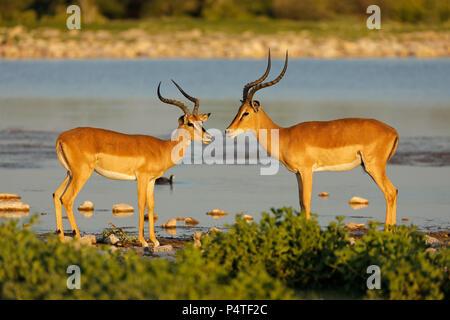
(358, 200)
(122, 207)
(354, 226)
(172, 223)
(191, 222)
(323, 194)
(86, 206)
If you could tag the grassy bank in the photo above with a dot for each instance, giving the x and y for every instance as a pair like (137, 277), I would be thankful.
(284, 256)
(342, 27)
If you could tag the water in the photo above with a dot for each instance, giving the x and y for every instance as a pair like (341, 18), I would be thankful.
(40, 99)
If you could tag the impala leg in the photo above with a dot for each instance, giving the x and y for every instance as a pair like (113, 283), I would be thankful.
(300, 191)
(150, 208)
(307, 181)
(58, 206)
(79, 178)
(389, 190)
(142, 184)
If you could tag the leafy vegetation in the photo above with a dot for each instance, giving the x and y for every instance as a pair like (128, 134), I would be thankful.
(307, 257)
(283, 256)
(412, 11)
(35, 269)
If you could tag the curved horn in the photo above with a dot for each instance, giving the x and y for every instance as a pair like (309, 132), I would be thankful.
(195, 100)
(251, 84)
(271, 83)
(174, 102)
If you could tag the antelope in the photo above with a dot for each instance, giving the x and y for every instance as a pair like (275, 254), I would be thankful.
(308, 147)
(81, 151)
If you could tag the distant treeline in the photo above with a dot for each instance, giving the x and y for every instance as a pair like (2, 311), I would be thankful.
(95, 10)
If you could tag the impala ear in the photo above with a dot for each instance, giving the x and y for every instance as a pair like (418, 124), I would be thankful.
(182, 120)
(255, 105)
(204, 116)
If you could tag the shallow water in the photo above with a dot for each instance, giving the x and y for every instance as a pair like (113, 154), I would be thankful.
(40, 99)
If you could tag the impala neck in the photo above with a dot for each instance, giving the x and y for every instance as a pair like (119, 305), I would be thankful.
(264, 129)
(178, 146)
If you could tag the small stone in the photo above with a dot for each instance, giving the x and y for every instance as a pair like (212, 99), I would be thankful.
(89, 239)
(358, 200)
(323, 194)
(197, 243)
(165, 248)
(86, 206)
(198, 235)
(433, 242)
(352, 240)
(405, 219)
(214, 229)
(180, 219)
(248, 218)
(172, 223)
(431, 250)
(191, 222)
(354, 226)
(9, 196)
(112, 239)
(155, 217)
(14, 205)
(217, 213)
(122, 207)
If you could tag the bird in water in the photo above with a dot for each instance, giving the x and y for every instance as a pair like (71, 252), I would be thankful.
(164, 180)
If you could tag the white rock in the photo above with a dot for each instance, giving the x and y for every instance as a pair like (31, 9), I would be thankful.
(354, 226)
(432, 241)
(112, 239)
(358, 200)
(172, 223)
(122, 207)
(191, 222)
(165, 248)
(13, 205)
(9, 196)
(214, 229)
(86, 206)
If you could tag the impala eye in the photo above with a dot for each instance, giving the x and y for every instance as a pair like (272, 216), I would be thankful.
(190, 124)
(245, 114)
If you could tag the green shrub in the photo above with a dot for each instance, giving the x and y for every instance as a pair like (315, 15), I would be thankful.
(307, 257)
(34, 269)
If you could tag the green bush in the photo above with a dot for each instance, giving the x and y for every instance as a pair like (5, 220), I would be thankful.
(281, 255)
(34, 269)
(307, 257)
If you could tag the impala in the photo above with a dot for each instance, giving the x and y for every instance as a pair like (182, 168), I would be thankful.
(307, 147)
(120, 156)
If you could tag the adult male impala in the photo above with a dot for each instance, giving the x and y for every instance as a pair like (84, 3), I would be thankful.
(307, 147)
(124, 157)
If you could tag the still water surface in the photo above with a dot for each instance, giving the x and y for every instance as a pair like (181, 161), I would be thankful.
(40, 99)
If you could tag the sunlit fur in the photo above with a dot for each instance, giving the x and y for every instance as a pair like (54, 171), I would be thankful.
(119, 156)
(336, 145)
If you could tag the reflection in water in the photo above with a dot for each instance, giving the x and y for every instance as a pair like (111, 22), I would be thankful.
(358, 206)
(14, 214)
(171, 231)
(86, 213)
(122, 214)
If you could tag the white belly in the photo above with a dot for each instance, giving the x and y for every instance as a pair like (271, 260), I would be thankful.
(114, 175)
(339, 167)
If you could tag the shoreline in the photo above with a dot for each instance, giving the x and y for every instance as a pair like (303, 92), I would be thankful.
(46, 43)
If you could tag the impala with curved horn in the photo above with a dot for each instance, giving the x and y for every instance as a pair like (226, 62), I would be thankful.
(124, 157)
(307, 147)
